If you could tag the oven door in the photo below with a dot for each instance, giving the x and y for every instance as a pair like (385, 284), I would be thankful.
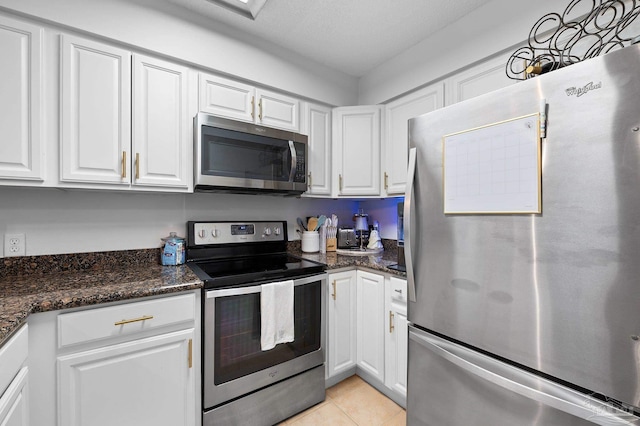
(234, 364)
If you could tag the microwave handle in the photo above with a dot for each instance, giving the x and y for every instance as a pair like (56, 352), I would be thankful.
(294, 161)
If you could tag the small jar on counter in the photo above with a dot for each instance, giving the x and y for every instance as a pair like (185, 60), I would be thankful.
(173, 252)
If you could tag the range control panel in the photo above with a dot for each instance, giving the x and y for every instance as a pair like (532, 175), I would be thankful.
(208, 233)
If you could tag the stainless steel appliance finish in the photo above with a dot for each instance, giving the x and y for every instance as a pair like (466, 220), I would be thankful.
(555, 294)
(217, 393)
(233, 156)
(347, 238)
(234, 259)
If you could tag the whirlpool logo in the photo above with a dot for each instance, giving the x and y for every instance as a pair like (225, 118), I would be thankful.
(579, 91)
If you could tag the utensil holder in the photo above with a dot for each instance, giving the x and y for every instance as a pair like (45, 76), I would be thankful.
(310, 242)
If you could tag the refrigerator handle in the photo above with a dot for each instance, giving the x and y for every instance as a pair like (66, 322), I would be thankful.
(523, 383)
(408, 201)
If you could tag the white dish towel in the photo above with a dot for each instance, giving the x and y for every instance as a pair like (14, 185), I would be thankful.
(276, 314)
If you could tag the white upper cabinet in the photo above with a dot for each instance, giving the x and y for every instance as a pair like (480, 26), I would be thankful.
(318, 120)
(395, 149)
(231, 99)
(356, 158)
(277, 110)
(21, 148)
(482, 78)
(226, 98)
(160, 123)
(123, 126)
(96, 112)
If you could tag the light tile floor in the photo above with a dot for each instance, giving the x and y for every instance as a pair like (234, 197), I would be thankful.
(352, 402)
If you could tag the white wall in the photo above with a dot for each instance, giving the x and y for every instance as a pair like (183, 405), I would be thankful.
(495, 27)
(77, 221)
(163, 28)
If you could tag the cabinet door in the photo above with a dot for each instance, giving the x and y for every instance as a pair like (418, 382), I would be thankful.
(483, 78)
(14, 407)
(96, 112)
(319, 158)
(226, 98)
(395, 148)
(160, 123)
(143, 382)
(357, 155)
(277, 110)
(341, 345)
(20, 104)
(396, 335)
(370, 308)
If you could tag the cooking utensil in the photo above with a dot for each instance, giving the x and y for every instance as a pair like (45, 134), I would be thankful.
(301, 224)
(312, 223)
(321, 221)
(334, 220)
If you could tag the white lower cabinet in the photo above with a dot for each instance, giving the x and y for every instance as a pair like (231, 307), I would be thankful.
(341, 322)
(370, 323)
(133, 363)
(396, 335)
(14, 375)
(144, 382)
(368, 330)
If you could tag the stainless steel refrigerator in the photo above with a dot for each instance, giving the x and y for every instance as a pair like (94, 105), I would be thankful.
(532, 318)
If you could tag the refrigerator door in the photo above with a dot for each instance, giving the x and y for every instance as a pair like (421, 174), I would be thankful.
(453, 385)
(557, 292)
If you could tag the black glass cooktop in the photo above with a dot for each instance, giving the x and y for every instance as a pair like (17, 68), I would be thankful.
(238, 271)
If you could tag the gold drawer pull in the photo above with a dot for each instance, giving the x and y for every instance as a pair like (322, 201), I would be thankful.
(391, 327)
(128, 321)
(124, 164)
(334, 290)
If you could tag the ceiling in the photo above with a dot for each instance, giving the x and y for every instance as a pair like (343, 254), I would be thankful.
(351, 36)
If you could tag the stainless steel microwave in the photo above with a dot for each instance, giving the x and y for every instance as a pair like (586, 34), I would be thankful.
(233, 156)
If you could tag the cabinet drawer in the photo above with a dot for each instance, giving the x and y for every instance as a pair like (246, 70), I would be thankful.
(13, 354)
(124, 320)
(398, 290)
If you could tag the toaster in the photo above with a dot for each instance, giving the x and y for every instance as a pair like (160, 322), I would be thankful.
(347, 238)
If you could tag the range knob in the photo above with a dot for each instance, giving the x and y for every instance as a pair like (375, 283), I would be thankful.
(202, 233)
(276, 230)
(214, 233)
(267, 231)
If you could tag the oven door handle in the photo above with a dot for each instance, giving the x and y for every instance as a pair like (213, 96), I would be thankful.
(294, 161)
(258, 288)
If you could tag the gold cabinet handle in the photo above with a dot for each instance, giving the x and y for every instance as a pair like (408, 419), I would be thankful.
(190, 353)
(253, 107)
(309, 183)
(386, 181)
(334, 290)
(260, 109)
(124, 164)
(391, 327)
(128, 321)
(137, 165)
(340, 182)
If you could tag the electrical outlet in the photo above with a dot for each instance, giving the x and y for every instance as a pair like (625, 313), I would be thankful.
(15, 245)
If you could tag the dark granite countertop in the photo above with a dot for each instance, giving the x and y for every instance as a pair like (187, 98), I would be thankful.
(34, 284)
(378, 261)
(46, 283)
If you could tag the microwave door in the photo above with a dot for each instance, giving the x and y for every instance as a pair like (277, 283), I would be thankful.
(244, 160)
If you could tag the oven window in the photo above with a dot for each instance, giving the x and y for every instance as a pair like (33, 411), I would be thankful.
(243, 155)
(237, 333)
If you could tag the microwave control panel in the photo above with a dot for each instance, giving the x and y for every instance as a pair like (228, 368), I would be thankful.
(301, 164)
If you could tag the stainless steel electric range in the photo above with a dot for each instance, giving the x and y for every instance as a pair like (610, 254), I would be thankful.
(241, 383)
